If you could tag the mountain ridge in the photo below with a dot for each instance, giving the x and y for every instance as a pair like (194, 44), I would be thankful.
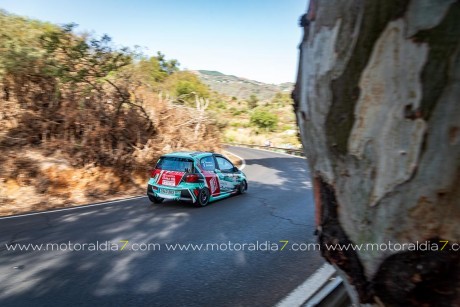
(241, 88)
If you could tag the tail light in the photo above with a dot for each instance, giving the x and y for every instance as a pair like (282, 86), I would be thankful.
(192, 178)
(152, 173)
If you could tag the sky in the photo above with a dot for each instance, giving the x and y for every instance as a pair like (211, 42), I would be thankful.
(254, 39)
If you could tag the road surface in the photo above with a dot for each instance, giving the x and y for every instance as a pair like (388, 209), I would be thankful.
(278, 207)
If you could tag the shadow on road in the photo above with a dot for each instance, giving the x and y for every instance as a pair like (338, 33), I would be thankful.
(283, 173)
(276, 207)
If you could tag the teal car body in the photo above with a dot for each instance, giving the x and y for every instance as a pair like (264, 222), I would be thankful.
(198, 177)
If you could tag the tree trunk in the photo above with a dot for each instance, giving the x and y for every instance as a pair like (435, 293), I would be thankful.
(377, 100)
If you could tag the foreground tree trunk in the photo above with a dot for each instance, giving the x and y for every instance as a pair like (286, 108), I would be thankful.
(378, 104)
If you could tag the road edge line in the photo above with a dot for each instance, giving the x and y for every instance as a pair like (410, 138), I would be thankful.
(73, 208)
(243, 162)
(272, 151)
(309, 287)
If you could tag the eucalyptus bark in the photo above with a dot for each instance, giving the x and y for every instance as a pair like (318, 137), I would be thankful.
(377, 101)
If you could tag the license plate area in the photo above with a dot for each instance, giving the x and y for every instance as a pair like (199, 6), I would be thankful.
(169, 192)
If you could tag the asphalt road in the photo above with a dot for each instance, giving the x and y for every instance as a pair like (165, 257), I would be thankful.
(278, 206)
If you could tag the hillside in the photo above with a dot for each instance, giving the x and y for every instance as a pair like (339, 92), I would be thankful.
(252, 112)
(241, 88)
(82, 120)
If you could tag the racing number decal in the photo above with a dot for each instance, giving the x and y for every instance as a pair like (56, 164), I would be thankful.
(213, 182)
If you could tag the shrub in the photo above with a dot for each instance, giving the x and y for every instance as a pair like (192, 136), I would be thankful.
(264, 120)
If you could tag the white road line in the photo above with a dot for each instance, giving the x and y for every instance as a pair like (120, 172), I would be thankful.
(309, 287)
(243, 165)
(322, 294)
(272, 151)
(72, 208)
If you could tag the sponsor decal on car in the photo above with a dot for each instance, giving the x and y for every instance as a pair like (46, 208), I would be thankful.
(158, 175)
(171, 181)
(226, 185)
(213, 184)
(184, 175)
(170, 178)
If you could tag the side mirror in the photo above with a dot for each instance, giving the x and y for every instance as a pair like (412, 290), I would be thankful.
(235, 169)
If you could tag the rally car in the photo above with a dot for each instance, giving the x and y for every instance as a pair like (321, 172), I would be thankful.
(199, 177)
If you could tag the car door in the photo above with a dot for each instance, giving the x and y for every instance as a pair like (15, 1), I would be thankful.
(208, 169)
(228, 179)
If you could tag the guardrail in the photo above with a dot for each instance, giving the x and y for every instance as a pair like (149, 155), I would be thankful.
(290, 151)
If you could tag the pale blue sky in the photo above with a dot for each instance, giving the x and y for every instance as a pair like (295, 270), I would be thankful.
(255, 39)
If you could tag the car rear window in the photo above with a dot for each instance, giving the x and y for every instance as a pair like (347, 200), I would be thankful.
(175, 164)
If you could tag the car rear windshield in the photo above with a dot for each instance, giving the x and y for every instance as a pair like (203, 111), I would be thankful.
(175, 164)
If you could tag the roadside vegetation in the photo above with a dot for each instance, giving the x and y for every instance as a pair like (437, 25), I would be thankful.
(270, 120)
(83, 119)
(253, 112)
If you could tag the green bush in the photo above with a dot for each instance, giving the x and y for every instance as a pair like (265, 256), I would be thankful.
(252, 102)
(264, 120)
(237, 112)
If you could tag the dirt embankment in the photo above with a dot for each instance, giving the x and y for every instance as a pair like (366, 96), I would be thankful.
(83, 120)
(66, 154)
(37, 183)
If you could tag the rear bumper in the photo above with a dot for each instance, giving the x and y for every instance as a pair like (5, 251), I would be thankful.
(185, 194)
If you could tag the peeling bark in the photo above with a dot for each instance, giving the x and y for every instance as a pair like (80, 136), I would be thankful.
(332, 234)
(377, 103)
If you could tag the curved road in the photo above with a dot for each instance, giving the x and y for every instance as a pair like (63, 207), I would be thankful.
(278, 206)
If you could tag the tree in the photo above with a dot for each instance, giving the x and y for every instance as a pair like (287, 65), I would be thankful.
(20, 49)
(149, 71)
(81, 59)
(185, 87)
(376, 100)
(264, 119)
(252, 102)
(167, 66)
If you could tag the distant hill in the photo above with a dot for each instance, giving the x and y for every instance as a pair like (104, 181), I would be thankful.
(241, 88)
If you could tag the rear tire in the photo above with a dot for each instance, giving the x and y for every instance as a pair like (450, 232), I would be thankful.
(242, 187)
(156, 200)
(203, 198)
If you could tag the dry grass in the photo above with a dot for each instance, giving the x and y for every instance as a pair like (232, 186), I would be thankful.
(250, 136)
(68, 153)
(34, 182)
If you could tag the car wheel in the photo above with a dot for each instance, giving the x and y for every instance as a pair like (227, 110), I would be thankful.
(203, 197)
(242, 187)
(156, 200)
